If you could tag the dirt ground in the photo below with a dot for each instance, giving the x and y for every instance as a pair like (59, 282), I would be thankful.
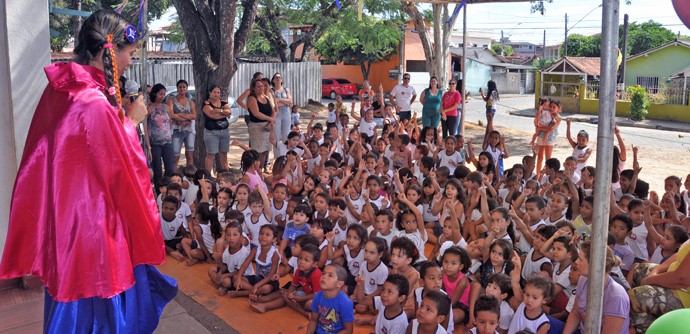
(657, 162)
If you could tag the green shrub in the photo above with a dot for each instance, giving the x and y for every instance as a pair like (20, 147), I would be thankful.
(639, 101)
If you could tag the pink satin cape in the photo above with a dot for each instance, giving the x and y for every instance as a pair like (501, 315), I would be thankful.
(83, 214)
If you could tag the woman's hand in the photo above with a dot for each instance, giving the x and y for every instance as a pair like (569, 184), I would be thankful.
(136, 111)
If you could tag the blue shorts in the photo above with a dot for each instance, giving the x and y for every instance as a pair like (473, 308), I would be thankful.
(217, 141)
(183, 138)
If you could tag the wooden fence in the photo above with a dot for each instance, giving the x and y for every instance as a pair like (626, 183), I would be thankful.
(303, 79)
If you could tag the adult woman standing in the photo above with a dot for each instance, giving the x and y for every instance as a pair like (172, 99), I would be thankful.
(216, 134)
(431, 104)
(283, 100)
(658, 289)
(159, 134)
(449, 113)
(183, 113)
(260, 120)
(616, 303)
(89, 227)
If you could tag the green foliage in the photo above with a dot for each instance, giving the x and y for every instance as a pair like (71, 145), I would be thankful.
(258, 45)
(542, 63)
(538, 6)
(639, 102)
(645, 36)
(175, 32)
(583, 46)
(641, 37)
(507, 51)
(359, 42)
(65, 25)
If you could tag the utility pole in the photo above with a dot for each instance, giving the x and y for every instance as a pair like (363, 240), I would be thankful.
(502, 43)
(602, 184)
(625, 49)
(543, 49)
(565, 41)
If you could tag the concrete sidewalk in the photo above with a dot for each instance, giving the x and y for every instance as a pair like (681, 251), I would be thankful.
(620, 121)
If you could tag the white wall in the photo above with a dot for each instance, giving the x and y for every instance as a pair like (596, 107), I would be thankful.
(24, 51)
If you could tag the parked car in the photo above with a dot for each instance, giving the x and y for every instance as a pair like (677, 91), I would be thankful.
(332, 86)
(236, 110)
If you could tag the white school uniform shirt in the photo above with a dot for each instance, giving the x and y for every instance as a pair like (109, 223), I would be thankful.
(560, 277)
(521, 322)
(378, 201)
(415, 328)
(637, 240)
(579, 153)
(234, 261)
(170, 228)
(418, 242)
(445, 160)
(522, 243)
(384, 325)
(313, 162)
(190, 195)
(506, 316)
(531, 267)
(495, 153)
(252, 228)
(657, 257)
(184, 212)
(354, 262)
(340, 233)
(367, 127)
(373, 279)
(448, 244)
(278, 213)
(358, 204)
(283, 149)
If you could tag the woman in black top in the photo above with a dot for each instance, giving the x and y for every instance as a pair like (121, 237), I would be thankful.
(216, 134)
(260, 120)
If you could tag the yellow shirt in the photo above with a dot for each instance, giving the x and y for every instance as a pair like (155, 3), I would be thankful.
(682, 294)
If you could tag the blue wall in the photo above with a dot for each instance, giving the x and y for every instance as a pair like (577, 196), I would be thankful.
(478, 75)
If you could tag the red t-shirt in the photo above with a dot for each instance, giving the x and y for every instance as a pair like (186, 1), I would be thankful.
(310, 282)
(449, 99)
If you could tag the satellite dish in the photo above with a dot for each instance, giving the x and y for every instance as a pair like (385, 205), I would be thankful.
(552, 89)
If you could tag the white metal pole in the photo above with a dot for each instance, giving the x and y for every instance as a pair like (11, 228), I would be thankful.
(602, 185)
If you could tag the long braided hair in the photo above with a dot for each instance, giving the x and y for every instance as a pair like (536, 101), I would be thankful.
(104, 30)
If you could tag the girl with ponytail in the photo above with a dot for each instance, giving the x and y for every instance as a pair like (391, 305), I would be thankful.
(83, 217)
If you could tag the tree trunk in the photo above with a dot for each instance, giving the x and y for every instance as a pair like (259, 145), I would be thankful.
(275, 36)
(436, 53)
(213, 48)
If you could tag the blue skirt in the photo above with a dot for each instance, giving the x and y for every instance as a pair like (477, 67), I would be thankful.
(136, 310)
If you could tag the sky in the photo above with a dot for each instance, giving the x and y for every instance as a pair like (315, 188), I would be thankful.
(520, 25)
(516, 20)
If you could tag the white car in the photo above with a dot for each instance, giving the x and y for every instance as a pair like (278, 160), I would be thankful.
(234, 107)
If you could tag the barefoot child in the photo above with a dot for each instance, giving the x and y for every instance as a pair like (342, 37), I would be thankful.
(331, 310)
(234, 255)
(373, 272)
(206, 231)
(267, 258)
(456, 263)
(487, 314)
(305, 284)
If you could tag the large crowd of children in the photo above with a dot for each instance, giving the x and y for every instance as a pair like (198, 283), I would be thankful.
(413, 232)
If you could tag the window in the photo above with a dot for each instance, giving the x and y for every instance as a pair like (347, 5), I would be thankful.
(326, 82)
(343, 81)
(416, 66)
(651, 84)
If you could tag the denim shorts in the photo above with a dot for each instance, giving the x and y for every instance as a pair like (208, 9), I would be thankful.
(183, 138)
(217, 141)
(405, 115)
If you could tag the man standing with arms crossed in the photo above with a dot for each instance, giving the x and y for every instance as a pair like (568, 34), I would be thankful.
(402, 96)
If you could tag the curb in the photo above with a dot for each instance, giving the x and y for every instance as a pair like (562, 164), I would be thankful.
(593, 120)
